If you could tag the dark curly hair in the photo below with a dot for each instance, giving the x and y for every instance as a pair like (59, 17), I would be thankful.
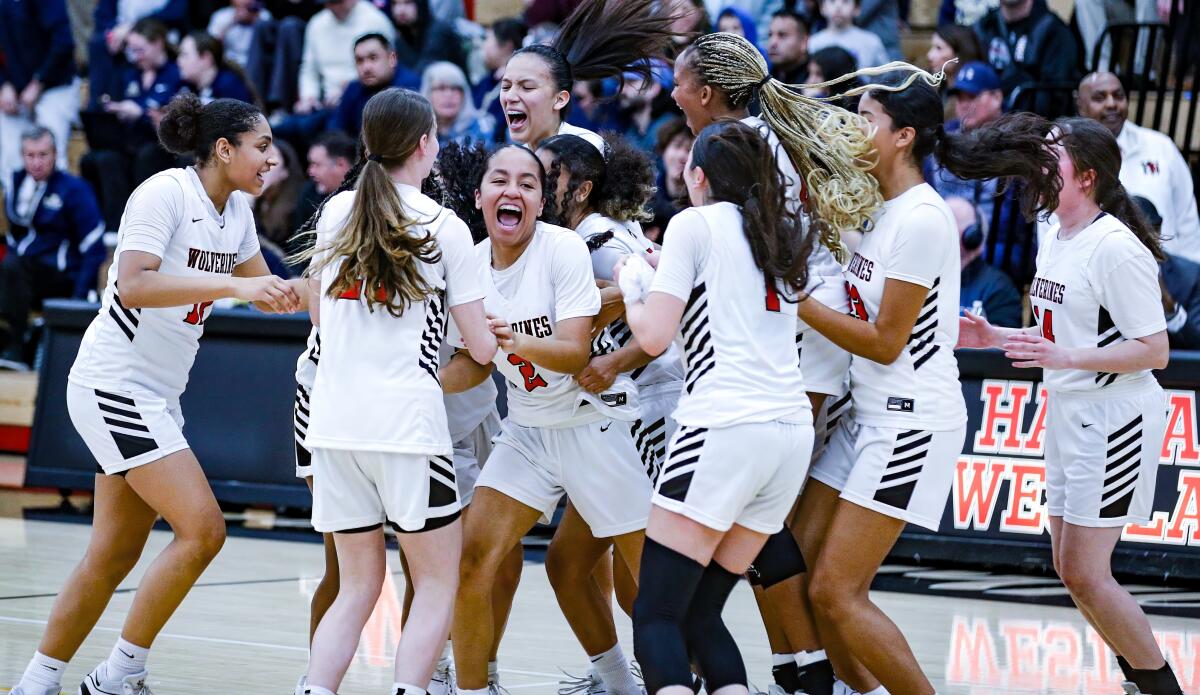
(191, 128)
(461, 169)
(622, 186)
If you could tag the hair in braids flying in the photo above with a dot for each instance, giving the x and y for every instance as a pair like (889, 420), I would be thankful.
(829, 146)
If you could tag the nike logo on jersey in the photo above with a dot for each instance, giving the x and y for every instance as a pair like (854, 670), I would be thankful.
(605, 427)
(198, 219)
(1087, 425)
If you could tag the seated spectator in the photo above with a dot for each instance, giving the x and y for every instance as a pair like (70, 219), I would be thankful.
(327, 65)
(691, 20)
(1026, 43)
(673, 147)
(952, 42)
(867, 49)
(375, 63)
(331, 155)
(422, 38)
(787, 47)
(964, 12)
(276, 49)
(55, 240)
(1179, 279)
(979, 102)
(203, 68)
(593, 106)
(114, 20)
(37, 76)
(736, 21)
(234, 26)
(829, 64)
(275, 211)
(502, 39)
(985, 290)
(147, 85)
(759, 11)
(645, 105)
(449, 93)
(882, 18)
(1151, 165)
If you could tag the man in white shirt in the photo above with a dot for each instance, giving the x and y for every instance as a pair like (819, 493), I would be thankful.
(327, 65)
(1151, 165)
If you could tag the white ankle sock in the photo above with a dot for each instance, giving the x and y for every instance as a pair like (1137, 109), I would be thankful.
(446, 654)
(126, 659)
(42, 672)
(805, 658)
(781, 659)
(481, 691)
(614, 671)
(317, 690)
(406, 689)
(878, 691)
(493, 673)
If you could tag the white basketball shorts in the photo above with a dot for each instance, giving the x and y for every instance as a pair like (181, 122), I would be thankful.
(125, 429)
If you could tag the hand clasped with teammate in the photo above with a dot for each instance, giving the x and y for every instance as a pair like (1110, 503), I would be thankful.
(1026, 350)
(270, 293)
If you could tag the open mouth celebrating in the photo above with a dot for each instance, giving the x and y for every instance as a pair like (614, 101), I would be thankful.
(509, 217)
(516, 119)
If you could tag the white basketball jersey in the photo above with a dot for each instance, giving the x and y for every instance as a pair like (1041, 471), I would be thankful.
(551, 282)
(1096, 289)
(377, 387)
(152, 349)
(915, 240)
(737, 334)
(609, 241)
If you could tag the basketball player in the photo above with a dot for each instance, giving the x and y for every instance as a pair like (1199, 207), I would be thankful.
(715, 78)
(187, 239)
(390, 263)
(599, 40)
(557, 437)
(1100, 332)
(896, 465)
(602, 199)
(729, 270)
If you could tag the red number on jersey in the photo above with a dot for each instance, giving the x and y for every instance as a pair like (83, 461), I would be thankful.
(355, 292)
(197, 314)
(772, 297)
(533, 380)
(857, 309)
(1045, 319)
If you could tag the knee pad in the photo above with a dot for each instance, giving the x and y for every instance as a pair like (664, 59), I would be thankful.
(779, 560)
(667, 582)
(708, 637)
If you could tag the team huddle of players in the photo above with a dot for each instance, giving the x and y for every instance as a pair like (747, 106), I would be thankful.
(747, 400)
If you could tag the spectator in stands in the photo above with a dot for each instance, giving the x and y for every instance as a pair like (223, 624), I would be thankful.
(203, 68)
(276, 49)
(377, 68)
(692, 20)
(327, 66)
(759, 11)
(645, 105)
(275, 211)
(979, 102)
(882, 18)
(501, 40)
(594, 106)
(787, 47)
(985, 290)
(445, 86)
(331, 155)
(965, 13)
(1179, 279)
(55, 239)
(1027, 43)
(673, 147)
(148, 84)
(114, 20)
(829, 64)
(867, 49)
(1151, 165)
(950, 42)
(234, 27)
(37, 76)
(736, 21)
(422, 38)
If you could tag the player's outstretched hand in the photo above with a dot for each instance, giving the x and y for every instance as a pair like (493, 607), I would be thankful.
(974, 331)
(505, 337)
(1035, 351)
(270, 293)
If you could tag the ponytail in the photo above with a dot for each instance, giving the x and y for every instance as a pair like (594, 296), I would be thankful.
(1120, 205)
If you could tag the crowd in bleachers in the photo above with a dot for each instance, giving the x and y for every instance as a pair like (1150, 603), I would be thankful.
(312, 65)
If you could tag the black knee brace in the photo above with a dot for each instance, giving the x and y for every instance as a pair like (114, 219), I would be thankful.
(779, 560)
(666, 584)
(707, 637)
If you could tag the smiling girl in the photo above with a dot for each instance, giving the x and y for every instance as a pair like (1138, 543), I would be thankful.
(601, 39)
(187, 239)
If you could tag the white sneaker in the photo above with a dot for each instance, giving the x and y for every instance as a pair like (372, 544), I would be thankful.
(1129, 687)
(300, 685)
(840, 688)
(582, 685)
(97, 683)
(442, 682)
(494, 688)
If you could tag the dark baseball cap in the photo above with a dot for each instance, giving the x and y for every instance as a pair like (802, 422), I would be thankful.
(975, 77)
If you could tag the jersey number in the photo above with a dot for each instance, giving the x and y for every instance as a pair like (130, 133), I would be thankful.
(1045, 319)
(857, 309)
(533, 380)
(772, 297)
(197, 314)
(355, 292)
